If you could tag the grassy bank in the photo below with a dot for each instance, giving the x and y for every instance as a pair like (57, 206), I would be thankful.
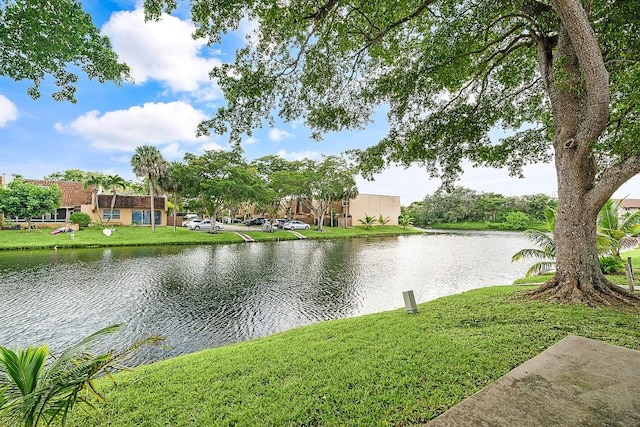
(142, 236)
(384, 369)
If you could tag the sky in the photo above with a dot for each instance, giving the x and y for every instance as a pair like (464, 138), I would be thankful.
(170, 95)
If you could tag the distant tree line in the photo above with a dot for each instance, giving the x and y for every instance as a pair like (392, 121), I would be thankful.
(461, 204)
(220, 181)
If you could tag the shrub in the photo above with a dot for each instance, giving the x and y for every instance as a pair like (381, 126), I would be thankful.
(82, 219)
(611, 265)
(517, 221)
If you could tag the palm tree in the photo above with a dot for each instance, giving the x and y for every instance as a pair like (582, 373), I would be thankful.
(34, 390)
(96, 181)
(147, 162)
(405, 220)
(383, 220)
(546, 250)
(349, 192)
(114, 183)
(368, 221)
(172, 182)
(616, 231)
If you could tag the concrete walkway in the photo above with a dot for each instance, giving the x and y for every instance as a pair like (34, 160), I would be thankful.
(298, 235)
(576, 382)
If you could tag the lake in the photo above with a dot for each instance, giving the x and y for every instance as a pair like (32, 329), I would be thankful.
(208, 296)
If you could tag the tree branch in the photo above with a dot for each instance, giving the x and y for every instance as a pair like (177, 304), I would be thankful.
(585, 45)
(612, 178)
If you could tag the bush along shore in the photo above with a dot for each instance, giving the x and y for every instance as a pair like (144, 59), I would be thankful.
(41, 238)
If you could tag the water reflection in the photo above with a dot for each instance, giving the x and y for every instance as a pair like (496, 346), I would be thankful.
(205, 296)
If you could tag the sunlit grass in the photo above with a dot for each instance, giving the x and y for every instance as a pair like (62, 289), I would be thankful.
(390, 368)
(41, 238)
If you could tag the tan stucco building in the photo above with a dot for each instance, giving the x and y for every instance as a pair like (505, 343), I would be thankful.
(354, 210)
(127, 210)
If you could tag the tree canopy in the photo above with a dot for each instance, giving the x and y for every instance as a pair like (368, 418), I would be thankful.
(26, 200)
(54, 37)
(560, 77)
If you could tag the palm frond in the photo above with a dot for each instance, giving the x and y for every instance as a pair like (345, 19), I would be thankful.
(608, 216)
(540, 268)
(529, 253)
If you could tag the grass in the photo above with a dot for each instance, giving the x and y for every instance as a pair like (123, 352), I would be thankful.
(383, 369)
(142, 236)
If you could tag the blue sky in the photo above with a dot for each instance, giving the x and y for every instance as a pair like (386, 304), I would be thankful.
(170, 96)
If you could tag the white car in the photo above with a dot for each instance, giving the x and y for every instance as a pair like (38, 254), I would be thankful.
(296, 225)
(205, 224)
(188, 222)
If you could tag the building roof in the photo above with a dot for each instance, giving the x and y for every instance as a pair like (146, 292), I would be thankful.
(630, 203)
(124, 201)
(73, 193)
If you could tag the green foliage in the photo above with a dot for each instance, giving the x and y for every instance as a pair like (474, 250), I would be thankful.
(384, 369)
(382, 221)
(611, 265)
(54, 38)
(219, 178)
(405, 221)
(80, 218)
(459, 204)
(75, 175)
(516, 221)
(615, 231)
(546, 247)
(26, 200)
(37, 388)
(368, 221)
(320, 183)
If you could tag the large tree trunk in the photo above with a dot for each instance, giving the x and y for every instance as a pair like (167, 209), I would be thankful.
(578, 86)
(578, 275)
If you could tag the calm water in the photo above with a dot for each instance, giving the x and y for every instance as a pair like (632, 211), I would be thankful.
(207, 296)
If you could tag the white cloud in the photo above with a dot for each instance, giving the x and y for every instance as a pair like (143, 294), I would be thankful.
(153, 123)
(276, 134)
(251, 140)
(211, 146)
(300, 155)
(8, 111)
(163, 51)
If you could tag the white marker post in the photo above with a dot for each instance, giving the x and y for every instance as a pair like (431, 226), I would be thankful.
(410, 302)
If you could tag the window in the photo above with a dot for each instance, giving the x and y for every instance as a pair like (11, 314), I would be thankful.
(144, 217)
(106, 214)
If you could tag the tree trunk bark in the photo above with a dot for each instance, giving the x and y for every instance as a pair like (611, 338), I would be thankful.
(153, 216)
(577, 83)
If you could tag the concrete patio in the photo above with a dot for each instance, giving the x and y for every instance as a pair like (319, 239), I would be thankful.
(576, 382)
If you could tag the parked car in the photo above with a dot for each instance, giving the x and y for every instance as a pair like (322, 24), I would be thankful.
(255, 221)
(188, 222)
(205, 224)
(279, 222)
(229, 220)
(296, 225)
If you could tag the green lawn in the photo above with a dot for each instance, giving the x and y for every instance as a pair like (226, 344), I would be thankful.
(142, 236)
(389, 368)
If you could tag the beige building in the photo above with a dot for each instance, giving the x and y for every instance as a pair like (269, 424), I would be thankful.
(127, 210)
(354, 210)
(373, 205)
